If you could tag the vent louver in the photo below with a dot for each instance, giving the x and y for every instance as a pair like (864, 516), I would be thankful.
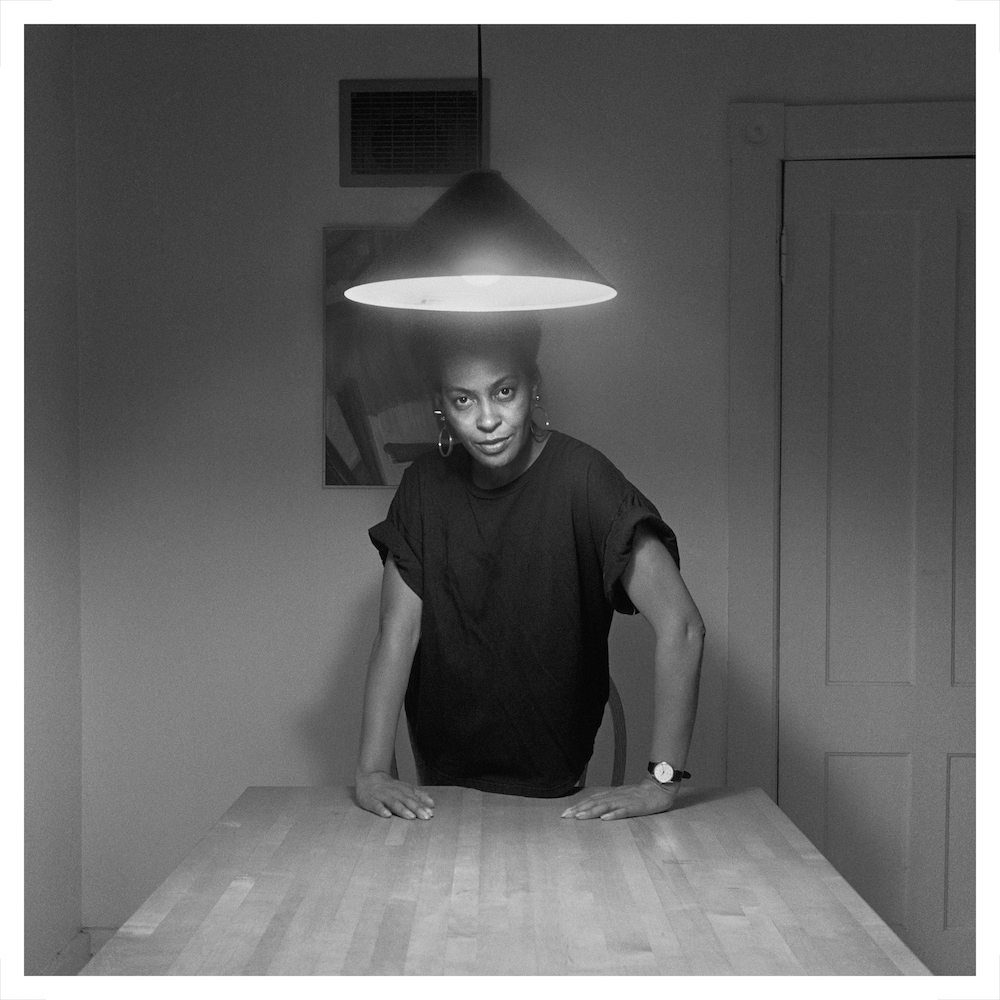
(409, 133)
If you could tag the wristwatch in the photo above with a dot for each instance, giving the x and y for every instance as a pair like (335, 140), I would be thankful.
(664, 774)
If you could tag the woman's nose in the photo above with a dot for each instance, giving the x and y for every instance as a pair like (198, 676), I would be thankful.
(489, 419)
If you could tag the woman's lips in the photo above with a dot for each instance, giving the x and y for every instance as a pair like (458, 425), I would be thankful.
(493, 447)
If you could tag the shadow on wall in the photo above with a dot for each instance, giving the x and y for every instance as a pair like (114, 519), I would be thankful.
(331, 726)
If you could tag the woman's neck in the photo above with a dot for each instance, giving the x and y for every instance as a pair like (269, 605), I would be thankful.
(493, 479)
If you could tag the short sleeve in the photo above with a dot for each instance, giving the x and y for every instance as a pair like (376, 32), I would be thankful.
(401, 532)
(617, 508)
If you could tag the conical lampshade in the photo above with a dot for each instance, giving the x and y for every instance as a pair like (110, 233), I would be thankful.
(480, 248)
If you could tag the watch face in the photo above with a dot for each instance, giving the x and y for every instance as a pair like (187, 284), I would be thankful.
(663, 772)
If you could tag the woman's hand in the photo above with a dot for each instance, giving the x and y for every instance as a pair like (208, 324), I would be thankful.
(644, 799)
(380, 793)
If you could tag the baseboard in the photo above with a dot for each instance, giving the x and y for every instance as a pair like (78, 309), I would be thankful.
(71, 959)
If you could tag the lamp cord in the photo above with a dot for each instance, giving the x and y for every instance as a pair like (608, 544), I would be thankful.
(479, 100)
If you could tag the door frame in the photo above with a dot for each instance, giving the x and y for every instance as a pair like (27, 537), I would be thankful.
(761, 138)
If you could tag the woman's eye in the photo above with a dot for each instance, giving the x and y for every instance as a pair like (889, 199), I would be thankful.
(460, 400)
(506, 392)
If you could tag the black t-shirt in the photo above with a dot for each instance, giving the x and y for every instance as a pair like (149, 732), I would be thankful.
(519, 584)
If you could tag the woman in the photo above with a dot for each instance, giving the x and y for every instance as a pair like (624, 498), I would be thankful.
(505, 557)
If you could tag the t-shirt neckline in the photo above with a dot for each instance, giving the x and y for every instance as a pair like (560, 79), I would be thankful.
(515, 484)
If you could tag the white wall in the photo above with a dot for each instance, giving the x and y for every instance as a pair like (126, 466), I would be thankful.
(52, 707)
(228, 601)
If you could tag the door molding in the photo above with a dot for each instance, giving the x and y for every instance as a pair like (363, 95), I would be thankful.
(761, 138)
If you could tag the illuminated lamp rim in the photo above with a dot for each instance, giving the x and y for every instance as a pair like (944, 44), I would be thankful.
(366, 294)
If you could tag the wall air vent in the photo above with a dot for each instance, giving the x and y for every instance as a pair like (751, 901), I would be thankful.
(409, 133)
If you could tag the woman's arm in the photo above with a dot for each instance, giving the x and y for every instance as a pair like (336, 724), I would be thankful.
(388, 673)
(654, 585)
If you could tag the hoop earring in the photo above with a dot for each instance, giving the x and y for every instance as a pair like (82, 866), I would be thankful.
(539, 431)
(443, 451)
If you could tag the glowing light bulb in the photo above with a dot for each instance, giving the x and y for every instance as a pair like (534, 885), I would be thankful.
(481, 280)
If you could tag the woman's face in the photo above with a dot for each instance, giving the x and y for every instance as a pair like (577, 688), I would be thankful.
(486, 398)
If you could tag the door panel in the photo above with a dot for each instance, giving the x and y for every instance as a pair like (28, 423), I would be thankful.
(964, 580)
(877, 575)
(960, 897)
(871, 429)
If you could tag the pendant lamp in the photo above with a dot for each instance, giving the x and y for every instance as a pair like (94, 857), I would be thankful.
(480, 248)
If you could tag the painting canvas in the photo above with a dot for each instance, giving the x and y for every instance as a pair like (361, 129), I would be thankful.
(378, 412)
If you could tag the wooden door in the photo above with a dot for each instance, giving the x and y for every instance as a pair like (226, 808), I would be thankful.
(876, 717)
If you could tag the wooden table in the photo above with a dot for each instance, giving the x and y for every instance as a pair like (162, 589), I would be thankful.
(295, 881)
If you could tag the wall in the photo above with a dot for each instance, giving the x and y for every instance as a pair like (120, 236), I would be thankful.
(228, 602)
(52, 707)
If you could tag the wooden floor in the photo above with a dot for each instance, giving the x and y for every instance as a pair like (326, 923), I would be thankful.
(299, 881)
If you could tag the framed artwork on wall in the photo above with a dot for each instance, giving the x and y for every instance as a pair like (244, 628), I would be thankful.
(377, 411)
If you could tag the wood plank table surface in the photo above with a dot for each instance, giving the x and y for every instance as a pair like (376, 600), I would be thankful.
(298, 881)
